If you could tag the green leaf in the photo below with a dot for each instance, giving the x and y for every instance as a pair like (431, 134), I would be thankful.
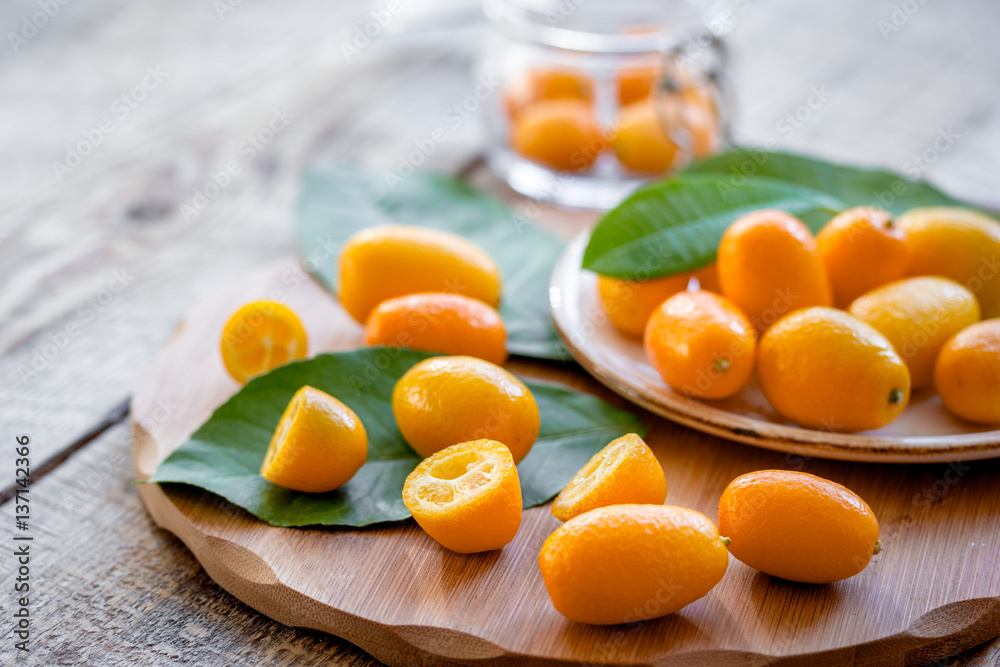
(676, 225)
(224, 455)
(855, 186)
(338, 200)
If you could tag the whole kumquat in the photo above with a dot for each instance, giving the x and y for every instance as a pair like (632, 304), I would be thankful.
(967, 373)
(540, 84)
(438, 322)
(382, 263)
(443, 401)
(701, 344)
(769, 265)
(798, 526)
(561, 134)
(862, 248)
(918, 315)
(956, 243)
(627, 563)
(641, 142)
(825, 369)
(318, 446)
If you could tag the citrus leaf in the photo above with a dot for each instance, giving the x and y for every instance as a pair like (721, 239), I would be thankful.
(676, 225)
(855, 186)
(225, 453)
(338, 200)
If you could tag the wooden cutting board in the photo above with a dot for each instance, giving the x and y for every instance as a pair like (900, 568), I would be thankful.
(934, 590)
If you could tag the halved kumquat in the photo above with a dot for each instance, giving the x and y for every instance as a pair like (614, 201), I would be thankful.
(318, 446)
(467, 496)
(260, 336)
(626, 471)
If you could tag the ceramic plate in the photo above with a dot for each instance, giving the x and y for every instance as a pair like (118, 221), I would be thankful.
(924, 433)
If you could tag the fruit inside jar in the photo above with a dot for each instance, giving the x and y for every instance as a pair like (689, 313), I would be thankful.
(590, 104)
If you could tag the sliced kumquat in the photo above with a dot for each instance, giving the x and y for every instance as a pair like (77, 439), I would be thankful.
(467, 496)
(261, 336)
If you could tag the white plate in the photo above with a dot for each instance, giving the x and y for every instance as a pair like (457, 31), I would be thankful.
(924, 433)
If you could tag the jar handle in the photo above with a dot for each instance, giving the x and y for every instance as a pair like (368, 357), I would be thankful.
(692, 104)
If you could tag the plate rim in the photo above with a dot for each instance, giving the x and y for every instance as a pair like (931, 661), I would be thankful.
(768, 435)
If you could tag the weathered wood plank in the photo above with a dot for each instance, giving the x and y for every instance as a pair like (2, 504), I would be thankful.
(933, 518)
(61, 241)
(118, 214)
(97, 274)
(886, 97)
(987, 655)
(109, 588)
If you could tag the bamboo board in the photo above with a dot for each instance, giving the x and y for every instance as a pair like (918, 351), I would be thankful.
(933, 591)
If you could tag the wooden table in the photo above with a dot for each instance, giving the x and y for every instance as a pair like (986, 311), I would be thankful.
(99, 259)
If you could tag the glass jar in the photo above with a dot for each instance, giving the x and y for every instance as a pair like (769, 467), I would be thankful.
(597, 97)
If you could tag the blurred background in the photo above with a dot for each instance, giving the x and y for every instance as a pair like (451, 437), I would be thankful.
(118, 117)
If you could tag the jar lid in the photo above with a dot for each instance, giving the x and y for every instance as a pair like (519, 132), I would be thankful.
(603, 26)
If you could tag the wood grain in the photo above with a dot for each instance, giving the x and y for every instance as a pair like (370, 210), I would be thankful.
(110, 588)
(60, 241)
(985, 655)
(933, 591)
(65, 319)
